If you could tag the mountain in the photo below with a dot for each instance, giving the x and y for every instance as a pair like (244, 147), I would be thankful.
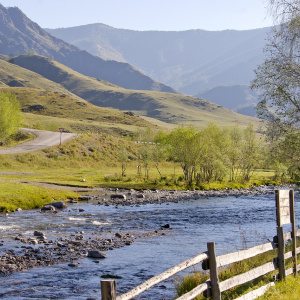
(13, 76)
(167, 107)
(239, 98)
(48, 105)
(190, 61)
(19, 35)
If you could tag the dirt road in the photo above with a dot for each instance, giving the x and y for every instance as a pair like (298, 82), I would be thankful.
(44, 139)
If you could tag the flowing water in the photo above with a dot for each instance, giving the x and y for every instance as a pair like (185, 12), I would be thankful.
(231, 222)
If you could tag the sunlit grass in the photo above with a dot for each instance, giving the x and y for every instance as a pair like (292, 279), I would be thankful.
(287, 290)
(24, 196)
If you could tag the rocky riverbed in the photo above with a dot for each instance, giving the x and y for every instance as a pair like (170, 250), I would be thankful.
(35, 249)
(32, 249)
(124, 197)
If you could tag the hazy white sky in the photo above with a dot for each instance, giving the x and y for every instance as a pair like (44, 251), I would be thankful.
(147, 14)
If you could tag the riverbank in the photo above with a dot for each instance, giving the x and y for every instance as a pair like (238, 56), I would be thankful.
(125, 197)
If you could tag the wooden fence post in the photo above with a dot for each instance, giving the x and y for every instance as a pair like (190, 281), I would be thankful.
(294, 237)
(215, 287)
(281, 250)
(108, 290)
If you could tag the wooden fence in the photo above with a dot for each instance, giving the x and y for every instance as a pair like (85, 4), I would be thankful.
(213, 287)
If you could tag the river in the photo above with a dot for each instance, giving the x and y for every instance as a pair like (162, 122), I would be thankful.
(231, 222)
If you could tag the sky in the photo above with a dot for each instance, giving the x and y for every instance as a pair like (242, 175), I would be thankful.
(166, 15)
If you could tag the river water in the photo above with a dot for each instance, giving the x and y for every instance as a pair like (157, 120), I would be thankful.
(231, 222)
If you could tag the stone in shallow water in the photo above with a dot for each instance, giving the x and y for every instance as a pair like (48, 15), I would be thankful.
(96, 254)
(73, 265)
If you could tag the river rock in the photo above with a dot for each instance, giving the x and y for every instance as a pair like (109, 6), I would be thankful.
(73, 265)
(59, 205)
(140, 196)
(96, 254)
(48, 208)
(167, 226)
(38, 233)
(118, 196)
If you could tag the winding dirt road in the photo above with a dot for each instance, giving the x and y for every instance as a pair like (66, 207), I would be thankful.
(44, 139)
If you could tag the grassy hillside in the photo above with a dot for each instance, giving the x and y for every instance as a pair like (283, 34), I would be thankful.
(166, 107)
(15, 76)
(51, 110)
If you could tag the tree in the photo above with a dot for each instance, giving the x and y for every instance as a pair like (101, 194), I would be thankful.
(146, 149)
(123, 159)
(211, 160)
(250, 153)
(185, 145)
(278, 78)
(10, 116)
(234, 141)
(278, 83)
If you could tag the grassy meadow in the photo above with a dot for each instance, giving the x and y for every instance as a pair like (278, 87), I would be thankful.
(93, 160)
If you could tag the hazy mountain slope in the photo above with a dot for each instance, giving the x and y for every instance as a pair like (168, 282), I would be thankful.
(19, 35)
(48, 103)
(239, 98)
(15, 76)
(189, 61)
(167, 107)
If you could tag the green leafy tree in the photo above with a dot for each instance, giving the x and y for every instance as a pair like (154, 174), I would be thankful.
(233, 150)
(278, 78)
(250, 151)
(185, 146)
(278, 83)
(212, 157)
(10, 116)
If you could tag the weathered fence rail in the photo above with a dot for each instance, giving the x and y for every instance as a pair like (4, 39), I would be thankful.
(213, 287)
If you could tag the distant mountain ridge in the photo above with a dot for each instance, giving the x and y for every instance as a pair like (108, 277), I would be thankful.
(238, 98)
(19, 35)
(190, 61)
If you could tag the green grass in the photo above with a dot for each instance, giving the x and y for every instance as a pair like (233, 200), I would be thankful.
(282, 290)
(95, 158)
(24, 196)
(287, 290)
(183, 285)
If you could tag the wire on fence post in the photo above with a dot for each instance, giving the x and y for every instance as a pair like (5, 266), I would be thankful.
(108, 290)
(281, 250)
(215, 287)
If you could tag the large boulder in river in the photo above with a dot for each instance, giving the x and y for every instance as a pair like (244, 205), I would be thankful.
(48, 208)
(59, 205)
(96, 254)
